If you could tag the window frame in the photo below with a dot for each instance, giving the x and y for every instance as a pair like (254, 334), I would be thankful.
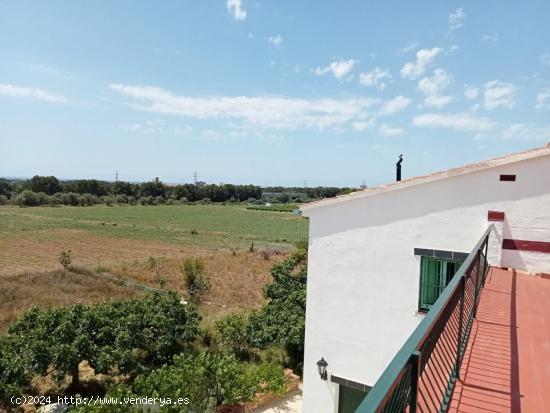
(442, 275)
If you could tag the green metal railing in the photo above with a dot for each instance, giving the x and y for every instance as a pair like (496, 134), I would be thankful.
(422, 375)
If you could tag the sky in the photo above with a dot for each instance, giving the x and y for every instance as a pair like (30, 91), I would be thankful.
(269, 92)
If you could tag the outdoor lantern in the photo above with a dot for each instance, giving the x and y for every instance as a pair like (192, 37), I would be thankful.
(322, 367)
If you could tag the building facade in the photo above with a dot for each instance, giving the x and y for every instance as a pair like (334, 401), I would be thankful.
(379, 258)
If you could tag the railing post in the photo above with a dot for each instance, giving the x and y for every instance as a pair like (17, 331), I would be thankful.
(486, 262)
(415, 374)
(458, 362)
(476, 284)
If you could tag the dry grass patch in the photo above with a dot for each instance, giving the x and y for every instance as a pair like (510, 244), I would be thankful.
(55, 288)
(90, 250)
(237, 277)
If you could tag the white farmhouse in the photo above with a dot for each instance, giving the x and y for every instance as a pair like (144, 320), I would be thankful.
(380, 257)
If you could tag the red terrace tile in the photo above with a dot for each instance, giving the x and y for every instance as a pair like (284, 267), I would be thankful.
(506, 366)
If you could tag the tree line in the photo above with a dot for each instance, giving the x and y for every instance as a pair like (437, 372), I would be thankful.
(49, 190)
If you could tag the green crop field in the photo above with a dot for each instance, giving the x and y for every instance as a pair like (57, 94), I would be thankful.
(33, 237)
(205, 225)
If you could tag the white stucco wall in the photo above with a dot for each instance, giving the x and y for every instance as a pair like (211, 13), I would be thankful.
(363, 276)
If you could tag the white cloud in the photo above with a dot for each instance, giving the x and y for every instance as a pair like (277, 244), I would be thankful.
(275, 40)
(389, 131)
(375, 78)
(545, 58)
(543, 99)
(499, 95)
(27, 92)
(490, 38)
(409, 47)
(452, 49)
(470, 92)
(457, 121)
(339, 68)
(436, 101)
(433, 88)
(362, 126)
(424, 57)
(263, 112)
(456, 19)
(435, 84)
(235, 7)
(395, 105)
(521, 131)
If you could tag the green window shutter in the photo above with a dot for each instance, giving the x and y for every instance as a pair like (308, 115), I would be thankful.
(435, 274)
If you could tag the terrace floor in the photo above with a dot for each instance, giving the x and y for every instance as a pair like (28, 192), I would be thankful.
(506, 367)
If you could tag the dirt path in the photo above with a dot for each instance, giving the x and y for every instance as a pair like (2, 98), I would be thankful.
(291, 403)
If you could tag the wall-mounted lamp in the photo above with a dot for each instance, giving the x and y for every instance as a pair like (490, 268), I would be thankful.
(322, 367)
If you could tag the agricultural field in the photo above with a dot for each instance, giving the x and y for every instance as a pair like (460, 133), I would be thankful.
(121, 240)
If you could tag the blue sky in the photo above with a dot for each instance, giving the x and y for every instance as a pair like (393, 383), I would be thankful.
(269, 92)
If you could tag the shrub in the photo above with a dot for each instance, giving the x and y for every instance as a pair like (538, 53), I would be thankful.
(27, 198)
(146, 200)
(118, 337)
(65, 259)
(232, 331)
(70, 198)
(87, 200)
(43, 199)
(184, 200)
(206, 380)
(107, 200)
(56, 199)
(282, 320)
(121, 199)
(4, 200)
(197, 283)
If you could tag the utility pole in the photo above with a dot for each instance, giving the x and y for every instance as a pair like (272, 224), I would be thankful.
(195, 178)
(116, 176)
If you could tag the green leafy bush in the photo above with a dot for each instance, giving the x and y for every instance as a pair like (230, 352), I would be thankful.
(282, 320)
(70, 198)
(197, 283)
(233, 336)
(206, 379)
(27, 198)
(122, 337)
(121, 199)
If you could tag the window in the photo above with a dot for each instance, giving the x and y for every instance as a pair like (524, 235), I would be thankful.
(435, 274)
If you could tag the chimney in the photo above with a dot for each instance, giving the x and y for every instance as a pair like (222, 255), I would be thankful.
(398, 168)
